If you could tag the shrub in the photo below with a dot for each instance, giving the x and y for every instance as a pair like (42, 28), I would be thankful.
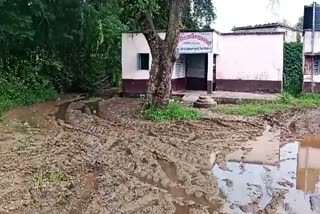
(175, 111)
(293, 76)
(24, 90)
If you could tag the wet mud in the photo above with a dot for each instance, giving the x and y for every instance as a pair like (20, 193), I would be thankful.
(288, 184)
(100, 156)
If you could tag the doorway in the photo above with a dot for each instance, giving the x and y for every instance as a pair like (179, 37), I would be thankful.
(196, 72)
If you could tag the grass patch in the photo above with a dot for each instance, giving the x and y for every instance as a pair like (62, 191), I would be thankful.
(53, 176)
(19, 94)
(175, 111)
(56, 176)
(266, 107)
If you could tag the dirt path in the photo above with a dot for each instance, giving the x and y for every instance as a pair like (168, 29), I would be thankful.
(98, 156)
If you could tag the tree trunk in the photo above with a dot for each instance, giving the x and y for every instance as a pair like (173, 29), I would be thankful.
(163, 54)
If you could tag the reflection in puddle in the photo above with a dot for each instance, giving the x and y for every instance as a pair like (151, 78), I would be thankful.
(296, 172)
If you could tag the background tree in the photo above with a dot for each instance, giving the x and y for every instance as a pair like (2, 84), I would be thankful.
(75, 45)
(173, 15)
(49, 46)
(299, 25)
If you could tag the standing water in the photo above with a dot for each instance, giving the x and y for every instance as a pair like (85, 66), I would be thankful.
(250, 185)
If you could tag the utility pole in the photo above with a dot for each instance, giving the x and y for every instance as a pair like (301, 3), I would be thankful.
(313, 42)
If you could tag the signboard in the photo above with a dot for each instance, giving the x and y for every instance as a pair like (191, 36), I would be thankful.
(180, 68)
(196, 42)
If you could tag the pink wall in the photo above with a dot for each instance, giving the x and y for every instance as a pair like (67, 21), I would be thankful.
(251, 57)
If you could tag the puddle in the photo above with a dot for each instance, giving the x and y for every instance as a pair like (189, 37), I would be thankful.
(296, 172)
(182, 209)
(93, 106)
(61, 113)
(170, 170)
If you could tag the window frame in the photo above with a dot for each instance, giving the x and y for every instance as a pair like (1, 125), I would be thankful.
(140, 65)
(316, 66)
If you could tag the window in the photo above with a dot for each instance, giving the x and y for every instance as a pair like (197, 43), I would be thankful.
(143, 61)
(316, 66)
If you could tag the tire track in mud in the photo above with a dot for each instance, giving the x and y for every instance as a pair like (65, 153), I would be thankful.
(156, 157)
(85, 194)
(169, 181)
(123, 164)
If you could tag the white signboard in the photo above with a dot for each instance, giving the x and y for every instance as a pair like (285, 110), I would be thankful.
(196, 42)
(180, 68)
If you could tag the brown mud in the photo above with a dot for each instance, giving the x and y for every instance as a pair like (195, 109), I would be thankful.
(80, 155)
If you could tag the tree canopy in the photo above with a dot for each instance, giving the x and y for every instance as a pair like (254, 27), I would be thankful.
(75, 45)
(69, 37)
(198, 14)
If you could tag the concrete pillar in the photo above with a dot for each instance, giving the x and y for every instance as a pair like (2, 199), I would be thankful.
(210, 73)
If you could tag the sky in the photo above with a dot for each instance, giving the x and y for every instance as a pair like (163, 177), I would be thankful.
(232, 13)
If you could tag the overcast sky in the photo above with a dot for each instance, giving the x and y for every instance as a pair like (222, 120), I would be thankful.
(250, 12)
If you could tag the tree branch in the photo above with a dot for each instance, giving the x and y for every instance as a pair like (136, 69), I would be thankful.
(176, 10)
(151, 34)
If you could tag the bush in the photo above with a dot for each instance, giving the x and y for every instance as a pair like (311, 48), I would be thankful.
(175, 111)
(26, 90)
(293, 76)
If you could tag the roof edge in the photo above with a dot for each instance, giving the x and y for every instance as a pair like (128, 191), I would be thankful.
(183, 31)
(269, 25)
(253, 33)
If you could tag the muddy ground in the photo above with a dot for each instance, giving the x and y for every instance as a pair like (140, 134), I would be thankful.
(91, 156)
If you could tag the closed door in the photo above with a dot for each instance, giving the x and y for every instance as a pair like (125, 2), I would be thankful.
(197, 71)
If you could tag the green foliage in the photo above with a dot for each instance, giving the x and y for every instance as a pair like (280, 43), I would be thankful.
(286, 102)
(199, 14)
(72, 45)
(293, 76)
(56, 176)
(175, 111)
(50, 176)
(23, 87)
(252, 109)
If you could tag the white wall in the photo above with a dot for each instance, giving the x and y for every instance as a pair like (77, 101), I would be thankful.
(308, 78)
(251, 57)
(290, 35)
(216, 43)
(134, 43)
(308, 42)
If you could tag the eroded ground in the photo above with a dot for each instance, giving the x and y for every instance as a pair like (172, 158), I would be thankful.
(99, 156)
